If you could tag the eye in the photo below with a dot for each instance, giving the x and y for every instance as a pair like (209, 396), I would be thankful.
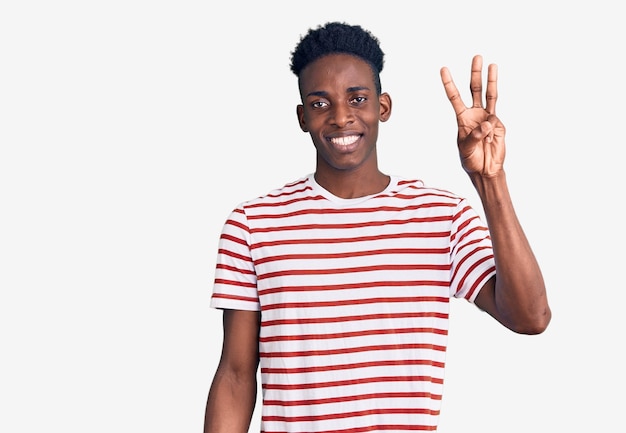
(319, 104)
(358, 100)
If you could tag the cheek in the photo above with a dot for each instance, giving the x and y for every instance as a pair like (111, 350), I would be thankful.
(313, 122)
(372, 119)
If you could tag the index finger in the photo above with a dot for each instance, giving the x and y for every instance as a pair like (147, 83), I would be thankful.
(451, 91)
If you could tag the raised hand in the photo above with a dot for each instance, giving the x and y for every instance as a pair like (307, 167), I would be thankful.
(480, 136)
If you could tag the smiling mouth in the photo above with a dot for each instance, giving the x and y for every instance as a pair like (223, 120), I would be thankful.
(344, 141)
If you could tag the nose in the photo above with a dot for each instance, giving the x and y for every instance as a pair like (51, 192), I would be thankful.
(341, 115)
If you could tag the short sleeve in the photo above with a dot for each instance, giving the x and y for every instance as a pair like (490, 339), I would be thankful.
(471, 253)
(235, 285)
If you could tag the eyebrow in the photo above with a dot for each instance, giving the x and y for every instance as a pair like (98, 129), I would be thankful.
(348, 90)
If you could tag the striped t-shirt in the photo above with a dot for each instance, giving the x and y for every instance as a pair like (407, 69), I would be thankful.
(354, 300)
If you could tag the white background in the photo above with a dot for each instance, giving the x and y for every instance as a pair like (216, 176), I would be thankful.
(130, 129)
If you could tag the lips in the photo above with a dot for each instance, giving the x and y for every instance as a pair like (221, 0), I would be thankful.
(345, 143)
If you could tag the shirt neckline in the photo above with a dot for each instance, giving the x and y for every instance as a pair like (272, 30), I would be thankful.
(393, 183)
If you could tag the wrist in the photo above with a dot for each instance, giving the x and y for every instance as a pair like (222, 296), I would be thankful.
(492, 189)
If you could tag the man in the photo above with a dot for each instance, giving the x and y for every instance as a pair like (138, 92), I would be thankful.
(339, 283)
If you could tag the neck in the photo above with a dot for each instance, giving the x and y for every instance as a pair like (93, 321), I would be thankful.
(352, 184)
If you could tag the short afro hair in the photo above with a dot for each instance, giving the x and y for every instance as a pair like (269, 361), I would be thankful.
(336, 38)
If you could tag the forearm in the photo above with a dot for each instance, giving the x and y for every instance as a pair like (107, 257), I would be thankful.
(230, 404)
(520, 293)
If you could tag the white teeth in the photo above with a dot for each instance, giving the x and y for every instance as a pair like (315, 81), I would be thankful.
(344, 141)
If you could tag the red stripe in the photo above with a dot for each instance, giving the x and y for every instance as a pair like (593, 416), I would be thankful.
(377, 427)
(460, 213)
(236, 224)
(305, 321)
(233, 255)
(353, 365)
(352, 211)
(354, 302)
(413, 267)
(424, 195)
(478, 281)
(286, 202)
(291, 386)
(443, 194)
(352, 239)
(354, 254)
(363, 285)
(286, 194)
(353, 334)
(234, 269)
(235, 298)
(235, 283)
(352, 225)
(470, 243)
(473, 267)
(378, 347)
(354, 414)
(470, 232)
(231, 238)
(380, 395)
(467, 257)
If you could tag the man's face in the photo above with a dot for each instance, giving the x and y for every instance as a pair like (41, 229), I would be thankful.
(341, 111)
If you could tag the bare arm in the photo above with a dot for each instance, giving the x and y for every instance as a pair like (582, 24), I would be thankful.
(233, 392)
(516, 297)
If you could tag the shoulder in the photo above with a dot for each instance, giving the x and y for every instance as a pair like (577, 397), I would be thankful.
(417, 189)
(299, 189)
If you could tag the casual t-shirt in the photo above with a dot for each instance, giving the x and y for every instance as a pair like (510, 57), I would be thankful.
(354, 299)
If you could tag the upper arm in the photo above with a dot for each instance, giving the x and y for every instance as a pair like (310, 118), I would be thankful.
(516, 317)
(486, 299)
(240, 348)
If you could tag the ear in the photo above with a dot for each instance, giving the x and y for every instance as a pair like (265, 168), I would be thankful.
(301, 121)
(385, 107)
